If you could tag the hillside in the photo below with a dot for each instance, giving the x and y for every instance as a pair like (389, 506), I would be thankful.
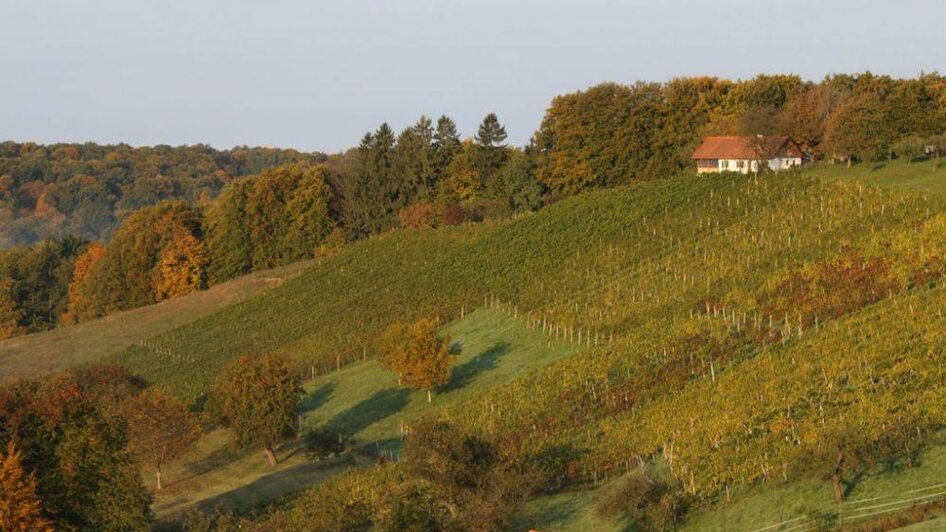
(740, 329)
(47, 352)
(363, 404)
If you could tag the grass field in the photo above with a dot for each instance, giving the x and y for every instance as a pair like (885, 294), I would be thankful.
(764, 506)
(921, 176)
(361, 401)
(41, 353)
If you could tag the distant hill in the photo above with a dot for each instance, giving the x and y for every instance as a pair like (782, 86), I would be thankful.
(84, 190)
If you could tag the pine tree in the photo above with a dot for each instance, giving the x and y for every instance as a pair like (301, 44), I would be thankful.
(445, 145)
(412, 165)
(491, 153)
(20, 506)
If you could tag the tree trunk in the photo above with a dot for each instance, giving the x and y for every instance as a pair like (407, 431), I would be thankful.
(157, 478)
(270, 455)
(429, 398)
(836, 478)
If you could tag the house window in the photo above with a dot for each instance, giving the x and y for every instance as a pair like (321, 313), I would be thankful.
(724, 164)
(740, 164)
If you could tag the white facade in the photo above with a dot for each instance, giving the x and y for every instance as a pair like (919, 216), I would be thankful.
(746, 166)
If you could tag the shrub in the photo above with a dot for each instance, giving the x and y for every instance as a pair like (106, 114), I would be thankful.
(644, 498)
(454, 215)
(417, 216)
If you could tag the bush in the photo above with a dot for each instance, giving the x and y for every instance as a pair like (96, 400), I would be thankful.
(417, 216)
(644, 498)
(455, 215)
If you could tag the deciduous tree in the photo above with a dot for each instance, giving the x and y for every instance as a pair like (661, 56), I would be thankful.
(418, 355)
(160, 429)
(257, 398)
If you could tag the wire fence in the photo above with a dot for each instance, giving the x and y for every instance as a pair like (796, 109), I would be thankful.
(852, 511)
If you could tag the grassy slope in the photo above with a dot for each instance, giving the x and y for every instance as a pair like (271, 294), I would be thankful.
(360, 401)
(925, 176)
(40, 353)
(757, 507)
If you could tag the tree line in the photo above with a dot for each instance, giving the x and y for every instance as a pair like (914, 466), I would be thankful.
(85, 190)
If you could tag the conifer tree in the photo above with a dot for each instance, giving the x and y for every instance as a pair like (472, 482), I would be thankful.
(445, 145)
(491, 152)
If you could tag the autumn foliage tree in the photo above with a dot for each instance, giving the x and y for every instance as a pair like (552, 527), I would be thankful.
(80, 304)
(418, 355)
(160, 429)
(256, 397)
(74, 440)
(182, 268)
(20, 507)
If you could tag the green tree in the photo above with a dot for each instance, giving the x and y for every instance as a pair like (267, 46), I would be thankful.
(412, 168)
(228, 240)
(520, 188)
(491, 152)
(445, 145)
(257, 398)
(309, 219)
(909, 148)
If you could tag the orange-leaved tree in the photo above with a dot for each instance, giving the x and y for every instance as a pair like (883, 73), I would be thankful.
(20, 506)
(81, 305)
(182, 267)
(256, 397)
(160, 428)
(417, 354)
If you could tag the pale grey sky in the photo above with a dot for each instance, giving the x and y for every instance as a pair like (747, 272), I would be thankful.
(315, 74)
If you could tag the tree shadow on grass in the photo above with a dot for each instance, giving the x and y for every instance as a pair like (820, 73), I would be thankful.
(221, 457)
(485, 361)
(381, 405)
(264, 490)
(317, 398)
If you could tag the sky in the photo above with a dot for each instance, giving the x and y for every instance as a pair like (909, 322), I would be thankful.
(317, 74)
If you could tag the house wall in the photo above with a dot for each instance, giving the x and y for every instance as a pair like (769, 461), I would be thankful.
(781, 163)
(743, 166)
(746, 166)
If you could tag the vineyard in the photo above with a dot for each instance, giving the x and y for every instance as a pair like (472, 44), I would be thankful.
(745, 330)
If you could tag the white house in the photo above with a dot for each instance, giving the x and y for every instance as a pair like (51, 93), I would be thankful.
(746, 154)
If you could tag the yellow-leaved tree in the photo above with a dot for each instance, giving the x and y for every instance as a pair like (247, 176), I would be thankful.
(20, 506)
(417, 354)
(182, 267)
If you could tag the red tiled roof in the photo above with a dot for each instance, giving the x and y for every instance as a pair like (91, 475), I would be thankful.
(748, 148)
